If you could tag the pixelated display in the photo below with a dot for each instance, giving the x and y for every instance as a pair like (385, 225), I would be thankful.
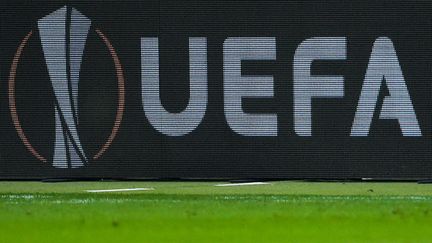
(215, 89)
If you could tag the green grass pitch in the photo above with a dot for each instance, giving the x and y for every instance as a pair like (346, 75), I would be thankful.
(202, 212)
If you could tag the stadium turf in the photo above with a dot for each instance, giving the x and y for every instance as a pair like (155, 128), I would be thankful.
(202, 212)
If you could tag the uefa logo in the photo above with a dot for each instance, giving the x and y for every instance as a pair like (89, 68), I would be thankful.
(63, 34)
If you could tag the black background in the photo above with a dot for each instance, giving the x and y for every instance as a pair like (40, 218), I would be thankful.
(213, 150)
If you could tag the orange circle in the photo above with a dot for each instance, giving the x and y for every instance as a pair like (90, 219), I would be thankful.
(12, 102)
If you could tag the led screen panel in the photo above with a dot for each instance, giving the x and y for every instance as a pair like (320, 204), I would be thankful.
(215, 89)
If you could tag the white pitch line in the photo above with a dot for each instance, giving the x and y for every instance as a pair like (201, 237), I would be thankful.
(244, 184)
(122, 190)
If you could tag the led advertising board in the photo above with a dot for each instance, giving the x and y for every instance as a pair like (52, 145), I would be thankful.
(215, 89)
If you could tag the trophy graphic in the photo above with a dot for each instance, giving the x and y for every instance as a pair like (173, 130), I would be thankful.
(63, 35)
